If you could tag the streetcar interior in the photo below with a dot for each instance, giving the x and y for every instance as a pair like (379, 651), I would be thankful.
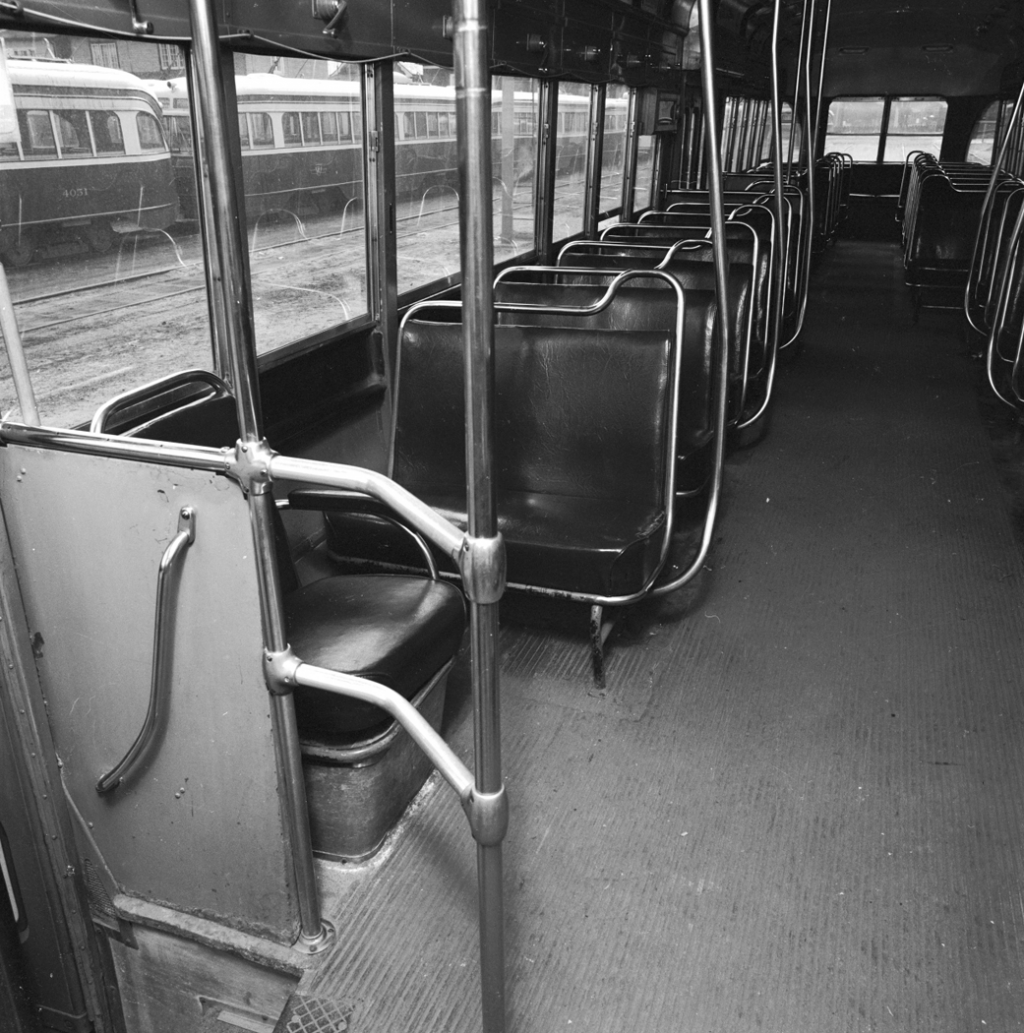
(693, 351)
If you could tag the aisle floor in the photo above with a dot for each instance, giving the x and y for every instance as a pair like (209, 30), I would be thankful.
(797, 806)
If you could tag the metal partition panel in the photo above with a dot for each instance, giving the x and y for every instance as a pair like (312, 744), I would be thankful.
(197, 825)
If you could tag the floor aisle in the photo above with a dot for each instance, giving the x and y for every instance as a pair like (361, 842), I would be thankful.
(797, 807)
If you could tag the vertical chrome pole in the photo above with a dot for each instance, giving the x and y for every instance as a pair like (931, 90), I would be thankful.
(227, 235)
(544, 185)
(714, 151)
(780, 259)
(810, 141)
(595, 161)
(379, 216)
(632, 150)
(473, 105)
(795, 110)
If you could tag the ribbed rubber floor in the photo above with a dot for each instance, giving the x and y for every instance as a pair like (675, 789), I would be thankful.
(798, 805)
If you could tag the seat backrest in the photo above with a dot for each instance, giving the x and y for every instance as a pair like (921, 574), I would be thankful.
(578, 412)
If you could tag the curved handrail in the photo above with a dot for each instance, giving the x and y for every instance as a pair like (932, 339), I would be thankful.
(168, 576)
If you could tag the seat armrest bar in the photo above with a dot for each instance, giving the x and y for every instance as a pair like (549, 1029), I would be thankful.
(444, 534)
(356, 502)
(455, 773)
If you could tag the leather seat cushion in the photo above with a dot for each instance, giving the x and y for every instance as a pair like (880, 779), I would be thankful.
(393, 629)
(611, 547)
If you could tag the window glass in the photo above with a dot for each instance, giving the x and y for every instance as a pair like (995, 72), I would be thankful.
(329, 126)
(37, 133)
(614, 148)
(854, 127)
(291, 128)
(9, 152)
(304, 209)
(427, 177)
(73, 132)
(983, 136)
(915, 124)
(570, 158)
(262, 129)
(150, 136)
(179, 134)
(106, 132)
(310, 128)
(243, 130)
(516, 105)
(89, 331)
(644, 172)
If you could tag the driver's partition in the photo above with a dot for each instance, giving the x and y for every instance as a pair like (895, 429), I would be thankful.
(135, 565)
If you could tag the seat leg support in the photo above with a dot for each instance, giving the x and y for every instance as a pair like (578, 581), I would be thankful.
(600, 629)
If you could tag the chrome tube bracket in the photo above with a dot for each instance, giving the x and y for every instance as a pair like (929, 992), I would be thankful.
(488, 816)
(482, 566)
(279, 669)
(251, 466)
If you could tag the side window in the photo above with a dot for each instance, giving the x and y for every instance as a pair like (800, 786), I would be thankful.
(310, 128)
(150, 136)
(408, 125)
(262, 129)
(73, 133)
(243, 130)
(854, 126)
(291, 128)
(37, 133)
(329, 126)
(983, 137)
(915, 124)
(106, 131)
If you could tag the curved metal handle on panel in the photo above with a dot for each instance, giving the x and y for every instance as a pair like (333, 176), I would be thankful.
(168, 576)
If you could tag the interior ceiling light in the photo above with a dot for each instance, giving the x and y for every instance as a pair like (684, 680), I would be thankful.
(939, 48)
(853, 50)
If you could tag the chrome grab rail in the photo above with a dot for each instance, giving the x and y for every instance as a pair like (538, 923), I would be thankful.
(168, 576)
(153, 388)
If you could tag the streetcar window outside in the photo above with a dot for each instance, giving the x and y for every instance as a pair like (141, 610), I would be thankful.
(73, 133)
(329, 126)
(644, 171)
(983, 136)
(106, 132)
(345, 124)
(613, 149)
(262, 129)
(150, 136)
(408, 125)
(291, 128)
(443, 128)
(570, 159)
(357, 126)
(243, 130)
(915, 124)
(854, 126)
(9, 152)
(432, 129)
(37, 133)
(179, 134)
(93, 334)
(306, 277)
(310, 128)
(421, 124)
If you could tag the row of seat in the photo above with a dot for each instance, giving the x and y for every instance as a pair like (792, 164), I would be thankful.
(612, 403)
(993, 297)
(938, 210)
